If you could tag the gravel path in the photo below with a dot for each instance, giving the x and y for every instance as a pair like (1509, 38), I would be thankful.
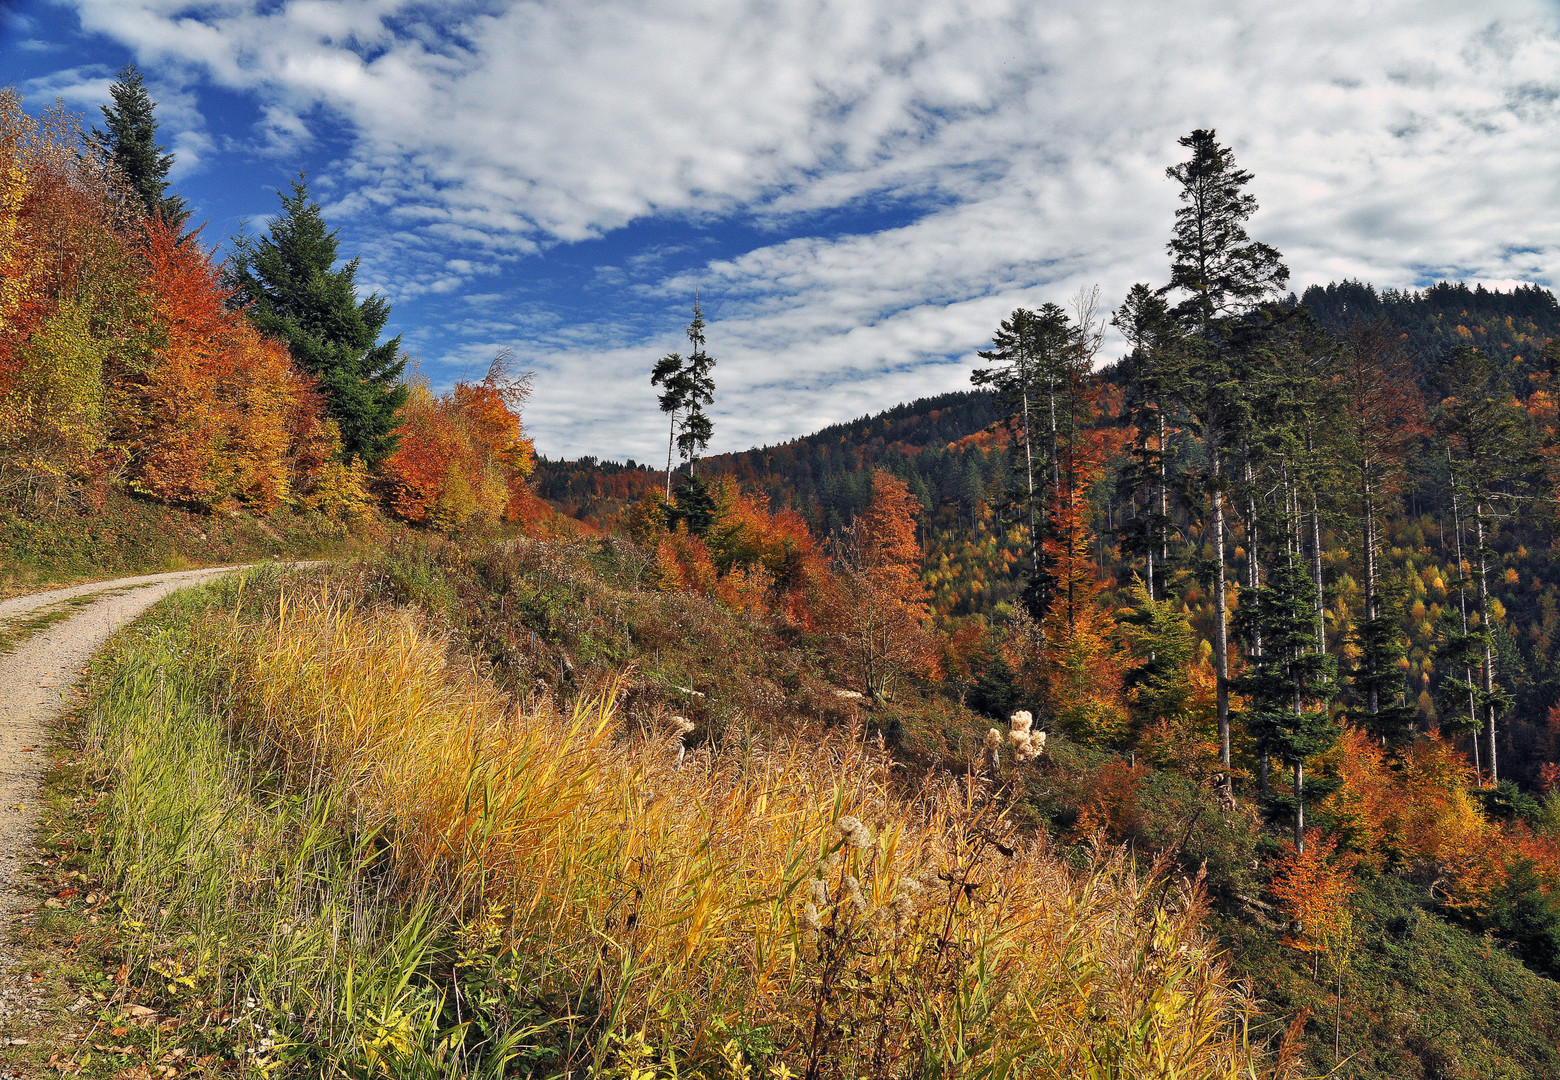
(35, 679)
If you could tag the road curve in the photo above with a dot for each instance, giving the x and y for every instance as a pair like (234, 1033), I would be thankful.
(35, 680)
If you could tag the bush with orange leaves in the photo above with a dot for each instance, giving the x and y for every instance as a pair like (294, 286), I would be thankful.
(462, 457)
(750, 558)
(1416, 811)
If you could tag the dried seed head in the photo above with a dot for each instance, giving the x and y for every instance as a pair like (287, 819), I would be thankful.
(1032, 746)
(1021, 721)
(993, 739)
(853, 832)
(853, 893)
(817, 892)
(681, 725)
(811, 918)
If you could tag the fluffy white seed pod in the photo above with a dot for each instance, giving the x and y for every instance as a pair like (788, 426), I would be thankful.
(993, 739)
(1020, 722)
(853, 832)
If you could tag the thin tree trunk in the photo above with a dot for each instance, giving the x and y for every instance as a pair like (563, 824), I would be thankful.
(1488, 635)
(1221, 632)
(1164, 499)
(1462, 606)
(1366, 501)
(1299, 787)
(1316, 574)
(670, 432)
(1029, 479)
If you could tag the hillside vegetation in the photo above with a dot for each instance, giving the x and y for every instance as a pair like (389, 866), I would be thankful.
(335, 847)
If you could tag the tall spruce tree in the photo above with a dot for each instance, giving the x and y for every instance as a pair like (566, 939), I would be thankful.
(293, 291)
(1492, 448)
(130, 143)
(671, 373)
(1288, 683)
(1222, 273)
(699, 384)
(1153, 381)
(1033, 357)
(1381, 411)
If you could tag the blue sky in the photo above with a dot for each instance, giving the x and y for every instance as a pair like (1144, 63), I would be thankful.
(859, 190)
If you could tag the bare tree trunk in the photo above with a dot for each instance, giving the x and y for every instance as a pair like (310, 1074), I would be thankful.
(1221, 632)
(670, 432)
(1488, 635)
(1462, 605)
(1029, 479)
(1316, 574)
(1164, 498)
(1299, 787)
(1368, 506)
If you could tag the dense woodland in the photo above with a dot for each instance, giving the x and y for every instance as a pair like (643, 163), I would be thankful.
(1274, 590)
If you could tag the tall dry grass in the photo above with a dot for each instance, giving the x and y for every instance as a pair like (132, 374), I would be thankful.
(773, 903)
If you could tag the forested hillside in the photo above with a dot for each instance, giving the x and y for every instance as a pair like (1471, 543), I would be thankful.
(145, 384)
(1297, 552)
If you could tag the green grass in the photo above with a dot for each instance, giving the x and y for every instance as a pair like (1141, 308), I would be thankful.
(257, 922)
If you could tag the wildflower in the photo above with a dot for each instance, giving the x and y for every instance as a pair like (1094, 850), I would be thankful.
(853, 832)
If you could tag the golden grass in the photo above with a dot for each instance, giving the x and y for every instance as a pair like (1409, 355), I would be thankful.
(678, 916)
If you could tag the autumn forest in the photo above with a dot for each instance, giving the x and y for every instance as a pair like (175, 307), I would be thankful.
(1262, 607)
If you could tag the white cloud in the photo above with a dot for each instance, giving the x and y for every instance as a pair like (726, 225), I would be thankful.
(1391, 141)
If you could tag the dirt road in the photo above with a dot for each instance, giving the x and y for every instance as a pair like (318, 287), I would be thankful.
(35, 677)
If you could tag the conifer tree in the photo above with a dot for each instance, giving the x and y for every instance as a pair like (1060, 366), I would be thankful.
(1033, 357)
(294, 292)
(689, 387)
(130, 143)
(1222, 273)
(696, 424)
(1492, 447)
(1288, 684)
(1382, 410)
(1153, 378)
(671, 372)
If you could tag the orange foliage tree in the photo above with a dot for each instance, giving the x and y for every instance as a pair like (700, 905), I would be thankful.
(71, 317)
(220, 416)
(461, 458)
(1315, 887)
(879, 606)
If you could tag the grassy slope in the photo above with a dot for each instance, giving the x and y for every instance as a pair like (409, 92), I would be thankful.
(127, 535)
(199, 881)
